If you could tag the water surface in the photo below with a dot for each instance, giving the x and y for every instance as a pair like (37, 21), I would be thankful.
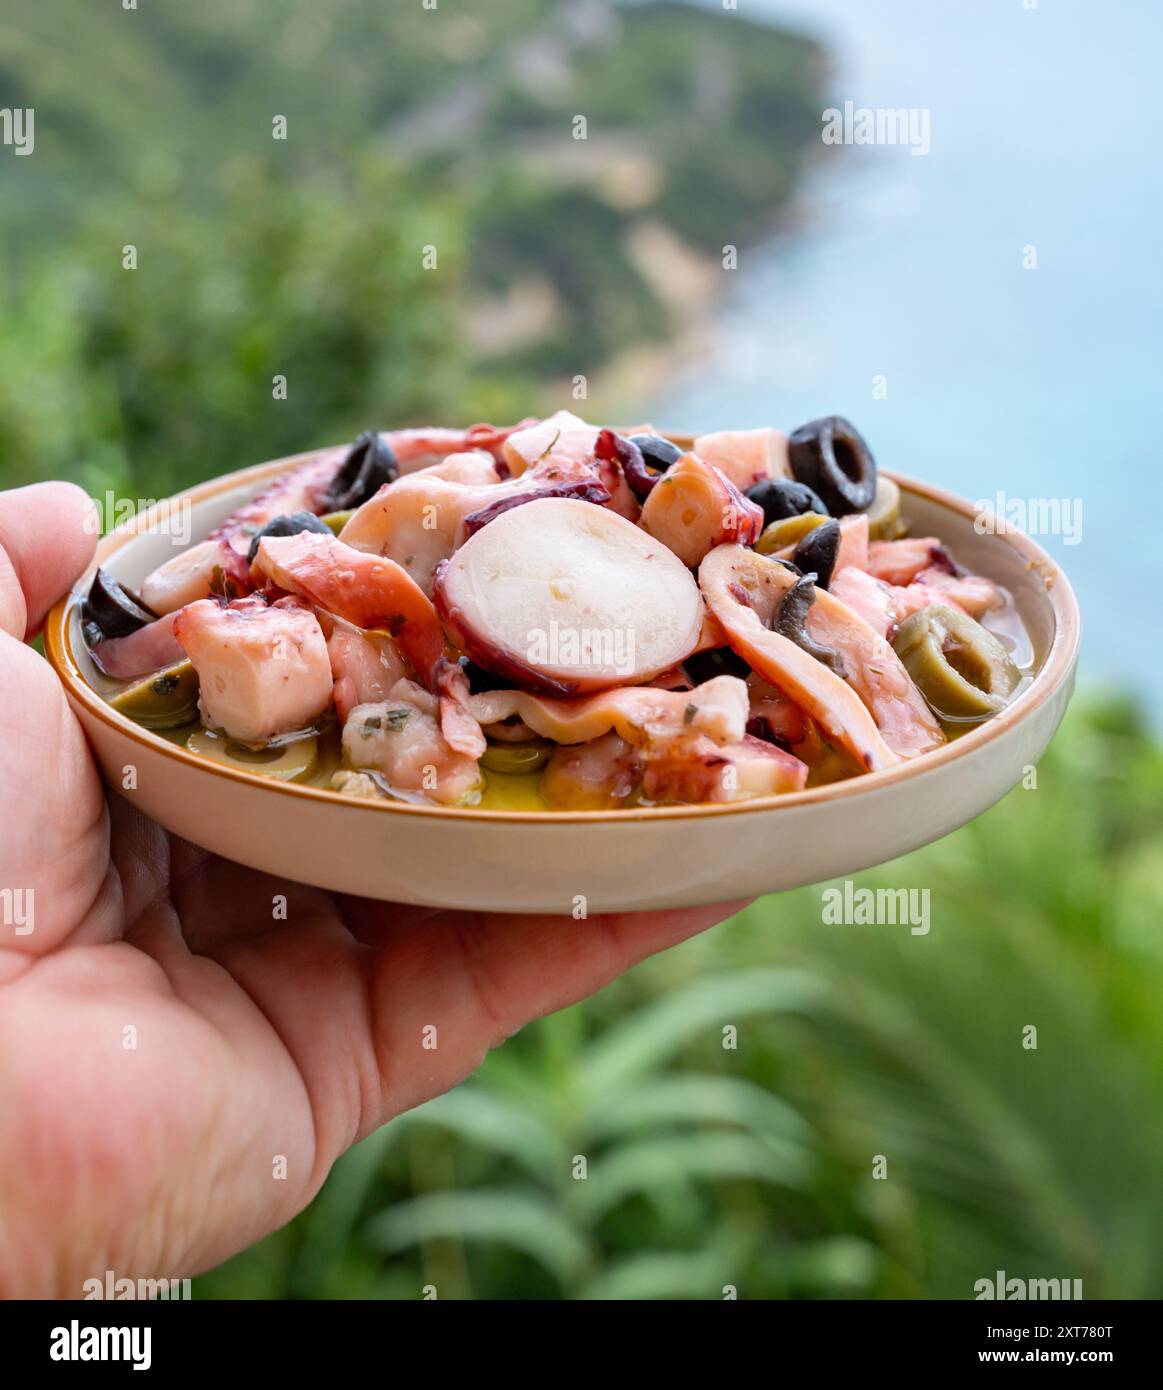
(1039, 384)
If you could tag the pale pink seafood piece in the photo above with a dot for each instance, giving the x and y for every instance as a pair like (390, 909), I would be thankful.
(462, 731)
(746, 457)
(878, 676)
(597, 776)
(560, 438)
(622, 498)
(364, 666)
(711, 635)
(420, 520)
(694, 507)
(368, 591)
(563, 598)
(302, 489)
(307, 487)
(644, 716)
(871, 668)
(185, 578)
(973, 594)
(138, 653)
(853, 543)
(263, 669)
(401, 739)
(472, 469)
(704, 771)
(869, 598)
(900, 562)
(415, 522)
(743, 590)
(419, 448)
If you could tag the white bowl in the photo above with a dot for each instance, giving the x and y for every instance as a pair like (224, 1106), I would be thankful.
(615, 860)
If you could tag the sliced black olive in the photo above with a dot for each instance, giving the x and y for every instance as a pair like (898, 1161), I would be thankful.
(287, 526)
(370, 463)
(791, 621)
(657, 453)
(818, 550)
(784, 497)
(717, 661)
(830, 456)
(113, 609)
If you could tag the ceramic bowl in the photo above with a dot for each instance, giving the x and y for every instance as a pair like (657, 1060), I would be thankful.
(615, 860)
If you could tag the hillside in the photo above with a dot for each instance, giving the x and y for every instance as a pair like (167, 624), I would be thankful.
(405, 128)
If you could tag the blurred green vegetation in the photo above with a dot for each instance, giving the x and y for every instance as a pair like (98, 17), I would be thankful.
(406, 128)
(753, 1167)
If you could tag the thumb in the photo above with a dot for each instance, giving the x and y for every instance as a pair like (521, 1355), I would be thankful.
(48, 533)
(54, 845)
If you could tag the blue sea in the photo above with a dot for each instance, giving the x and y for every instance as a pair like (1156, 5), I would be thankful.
(1034, 383)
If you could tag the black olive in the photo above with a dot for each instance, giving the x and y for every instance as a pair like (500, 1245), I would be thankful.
(818, 550)
(657, 453)
(790, 620)
(784, 497)
(481, 681)
(717, 661)
(287, 526)
(113, 609)
(370, 463)
(640, 471)
(830, 456)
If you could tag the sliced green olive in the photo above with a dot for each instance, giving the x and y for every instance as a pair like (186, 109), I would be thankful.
(161, 701)
(337, 520)
(884, 516)
(788, 531)
(961, 669)
(289, 762)
(516, 757)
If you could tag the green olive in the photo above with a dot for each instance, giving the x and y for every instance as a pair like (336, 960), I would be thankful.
(787, 531)
(161, 701)
(337, 520)
(884, 516)
(961, 669)
(516, 757)
(289, 762)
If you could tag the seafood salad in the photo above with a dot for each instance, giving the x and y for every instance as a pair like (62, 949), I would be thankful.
(556, 615)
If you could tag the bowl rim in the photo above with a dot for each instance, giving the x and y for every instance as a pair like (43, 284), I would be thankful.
(1056, 667)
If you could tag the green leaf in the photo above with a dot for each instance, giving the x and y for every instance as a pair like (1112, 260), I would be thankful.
(510, 1217)
(691, 1098)
(332, 1217)
(658, 1274)
(648, 1167)
(700, 1011)
(495, 1124)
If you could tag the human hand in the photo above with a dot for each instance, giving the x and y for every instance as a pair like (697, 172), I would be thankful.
(262, 1048)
